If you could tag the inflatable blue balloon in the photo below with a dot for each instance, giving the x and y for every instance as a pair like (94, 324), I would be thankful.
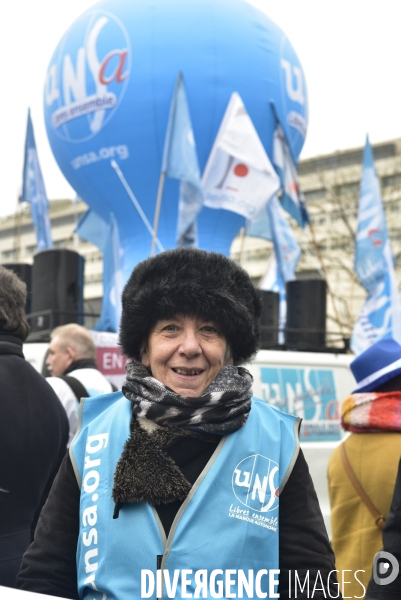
(109, 88)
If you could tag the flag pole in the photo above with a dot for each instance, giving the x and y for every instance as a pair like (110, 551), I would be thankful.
(166, 150)
(243, 240)
(18, 229)
(136, 203)
(157, 211)
(322, 266)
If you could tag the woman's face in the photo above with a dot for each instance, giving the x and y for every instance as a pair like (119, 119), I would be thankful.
(185, 354)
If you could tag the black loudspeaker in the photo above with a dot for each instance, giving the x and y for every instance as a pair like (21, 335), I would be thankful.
(24, 272)
(306, 314)
(57, 285)
(269, 319)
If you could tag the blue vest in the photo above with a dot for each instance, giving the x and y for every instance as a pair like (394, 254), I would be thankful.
(229, 521)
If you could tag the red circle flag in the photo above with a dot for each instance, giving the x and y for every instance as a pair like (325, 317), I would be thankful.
(241, 170)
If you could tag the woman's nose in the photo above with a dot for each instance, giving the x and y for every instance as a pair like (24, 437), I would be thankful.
(190, 345)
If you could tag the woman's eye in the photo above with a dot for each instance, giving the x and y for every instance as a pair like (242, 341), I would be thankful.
(170, 328)
(209, 329)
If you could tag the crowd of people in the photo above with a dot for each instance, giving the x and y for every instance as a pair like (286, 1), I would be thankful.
(184, 470)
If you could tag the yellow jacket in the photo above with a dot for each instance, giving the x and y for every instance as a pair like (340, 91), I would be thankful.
(356, 538)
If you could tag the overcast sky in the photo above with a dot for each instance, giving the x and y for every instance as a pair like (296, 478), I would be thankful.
(350, 51)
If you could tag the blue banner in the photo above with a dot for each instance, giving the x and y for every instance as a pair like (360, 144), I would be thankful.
(189, 238)
(272, 281)
(33, 190)
(106, 237)
(283, 262)
(307, 393)
(179, 156)
(380, 317)
(292, 199)
(108, 94)
(286, 247)
(371, 235)
(180, 161)
(93, 229)
(260, 227)
(189, 205)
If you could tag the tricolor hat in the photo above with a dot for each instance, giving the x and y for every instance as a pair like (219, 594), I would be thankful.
(376, 365)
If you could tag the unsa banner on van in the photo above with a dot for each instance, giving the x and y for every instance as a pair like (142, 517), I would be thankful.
(310, 387)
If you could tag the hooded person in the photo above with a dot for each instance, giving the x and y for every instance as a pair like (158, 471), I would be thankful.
(183, 471)
(362, 470)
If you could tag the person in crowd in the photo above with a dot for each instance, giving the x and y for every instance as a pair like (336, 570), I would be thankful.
(387, 583)
(33, 432)
(71, 360)
(183, 469)
(362, 470)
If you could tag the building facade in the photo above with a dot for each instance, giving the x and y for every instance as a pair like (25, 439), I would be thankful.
(330, 184)
(18, 244)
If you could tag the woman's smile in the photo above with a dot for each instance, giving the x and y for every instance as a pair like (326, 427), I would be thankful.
(187, 372)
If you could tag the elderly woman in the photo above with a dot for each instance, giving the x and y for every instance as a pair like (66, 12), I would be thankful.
(183, 472)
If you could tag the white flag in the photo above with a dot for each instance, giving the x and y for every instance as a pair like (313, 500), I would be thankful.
(239, 175)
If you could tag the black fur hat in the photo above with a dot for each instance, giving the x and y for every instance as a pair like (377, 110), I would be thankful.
(191, 282)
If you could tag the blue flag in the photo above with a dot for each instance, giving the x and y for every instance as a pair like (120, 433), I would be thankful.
(33, 190)
(371, 235)
(180, 161)
(284, 260)
(190, 237)
(286, 248)
(292, 199)
(272, 281)
(106, 237)
(93, 229)
(260, 227)
(380, 317)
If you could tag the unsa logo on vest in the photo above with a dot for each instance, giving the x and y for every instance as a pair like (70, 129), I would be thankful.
(88, 78)
(255, 483)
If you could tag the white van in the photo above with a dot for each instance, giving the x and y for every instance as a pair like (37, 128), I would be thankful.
(310, 385)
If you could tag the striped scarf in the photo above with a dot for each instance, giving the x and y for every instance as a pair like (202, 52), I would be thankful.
(372, 412)
(222, 409)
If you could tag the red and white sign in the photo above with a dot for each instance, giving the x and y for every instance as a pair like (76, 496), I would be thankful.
(109, 359)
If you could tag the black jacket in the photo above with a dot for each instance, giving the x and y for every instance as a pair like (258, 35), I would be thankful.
(33, 438)
(49, 565)
(391, 544)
